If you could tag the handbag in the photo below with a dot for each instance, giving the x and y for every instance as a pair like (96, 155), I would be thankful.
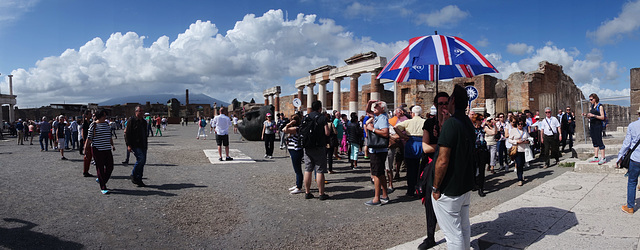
(626, 160)
(513, 150)
(377, 141)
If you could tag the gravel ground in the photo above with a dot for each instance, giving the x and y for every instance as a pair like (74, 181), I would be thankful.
(190, 203)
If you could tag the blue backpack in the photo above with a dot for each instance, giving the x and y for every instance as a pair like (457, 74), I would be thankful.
(203, 123)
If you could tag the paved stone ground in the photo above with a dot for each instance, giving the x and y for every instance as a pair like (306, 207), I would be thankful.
(191, 203)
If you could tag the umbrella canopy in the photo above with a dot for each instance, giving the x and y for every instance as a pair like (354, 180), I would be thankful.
(434, 58)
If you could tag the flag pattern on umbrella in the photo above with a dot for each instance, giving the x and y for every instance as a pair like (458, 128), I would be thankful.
(452, 56)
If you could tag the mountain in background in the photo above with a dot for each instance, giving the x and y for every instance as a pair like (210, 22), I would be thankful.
(163, 98)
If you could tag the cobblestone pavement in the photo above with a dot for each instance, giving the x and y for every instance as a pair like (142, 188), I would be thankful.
(191, 203)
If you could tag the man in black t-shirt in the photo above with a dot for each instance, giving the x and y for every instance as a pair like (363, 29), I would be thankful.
(454, 173)
(431, 131)
(60, 135)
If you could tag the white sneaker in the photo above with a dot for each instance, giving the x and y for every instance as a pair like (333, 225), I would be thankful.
(296, 191)
(292, 188)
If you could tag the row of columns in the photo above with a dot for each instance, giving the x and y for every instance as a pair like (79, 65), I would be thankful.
(376, 88)
(272, 97)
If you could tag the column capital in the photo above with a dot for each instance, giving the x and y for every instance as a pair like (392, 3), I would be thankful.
(355, 75)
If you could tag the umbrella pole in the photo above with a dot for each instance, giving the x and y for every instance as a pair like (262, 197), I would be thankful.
(437, 76)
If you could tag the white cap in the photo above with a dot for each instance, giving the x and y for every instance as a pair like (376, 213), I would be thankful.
(433, 111)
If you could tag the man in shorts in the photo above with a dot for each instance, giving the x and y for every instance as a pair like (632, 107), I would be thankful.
(60, 135)
(315, 158)
(221, 124)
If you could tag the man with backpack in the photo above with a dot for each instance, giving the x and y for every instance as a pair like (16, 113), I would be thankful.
(313, 133)
(202, 124)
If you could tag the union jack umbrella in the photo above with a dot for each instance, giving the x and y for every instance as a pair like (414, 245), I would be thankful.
(434, 58)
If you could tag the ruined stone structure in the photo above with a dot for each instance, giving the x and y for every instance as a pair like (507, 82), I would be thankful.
(635, 90)
(359, 64)
(269, 98)
(9, 99)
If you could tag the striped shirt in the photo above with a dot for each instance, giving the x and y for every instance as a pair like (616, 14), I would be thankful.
(293, 142)
(102, 137)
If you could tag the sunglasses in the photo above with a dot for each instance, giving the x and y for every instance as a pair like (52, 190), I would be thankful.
(547, 111)
(590, 99)
(443, 103)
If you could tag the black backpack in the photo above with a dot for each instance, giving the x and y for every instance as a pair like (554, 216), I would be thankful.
(311, 132)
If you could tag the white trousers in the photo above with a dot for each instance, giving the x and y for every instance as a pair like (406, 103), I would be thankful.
(452, 213)
(202, 130)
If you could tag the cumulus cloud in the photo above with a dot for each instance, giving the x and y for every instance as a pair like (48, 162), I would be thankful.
(591, 74)
(519, 48)
(448, 16)
(258, 53)
(611, 31)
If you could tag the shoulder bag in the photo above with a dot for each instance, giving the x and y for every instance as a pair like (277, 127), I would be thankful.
(626, 160)
(377, 141)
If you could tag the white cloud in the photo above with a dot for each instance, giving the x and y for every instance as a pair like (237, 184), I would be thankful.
(519, 48)
(11, 10)
(483, 42)
(591, 74)
(611, 31)
(357, 9)
(258, 53)
(448, 16)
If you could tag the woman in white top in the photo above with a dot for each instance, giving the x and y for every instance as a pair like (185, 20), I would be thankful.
(490, 131)
(519, 137)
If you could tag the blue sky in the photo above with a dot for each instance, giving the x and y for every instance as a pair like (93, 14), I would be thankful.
(77, 51)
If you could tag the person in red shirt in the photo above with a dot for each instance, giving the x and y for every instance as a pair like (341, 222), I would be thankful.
(158, 125)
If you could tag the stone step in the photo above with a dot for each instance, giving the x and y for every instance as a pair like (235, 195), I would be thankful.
(583, 166)
(585, 151)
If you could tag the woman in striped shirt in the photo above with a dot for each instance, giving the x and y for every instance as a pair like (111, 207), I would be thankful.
(295, 150)
(101, 145)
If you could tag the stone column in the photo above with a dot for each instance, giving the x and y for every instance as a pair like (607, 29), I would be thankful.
(12, 117)
(376, 87)
(337, 94)
(266, 100)
(277, 102)
(310, 98)
(634, 85)
(300, 97)
(270, 99)
(322, 92)
(353, 94)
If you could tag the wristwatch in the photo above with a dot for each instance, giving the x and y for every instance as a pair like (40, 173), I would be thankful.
(434, 189)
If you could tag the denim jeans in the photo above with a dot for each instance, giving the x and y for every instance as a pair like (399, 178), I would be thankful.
(634, 171)
(502, 153)
(296, 161)
(44, 136)
(141, 159)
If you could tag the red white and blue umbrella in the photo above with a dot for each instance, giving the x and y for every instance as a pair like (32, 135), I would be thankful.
(434, 58)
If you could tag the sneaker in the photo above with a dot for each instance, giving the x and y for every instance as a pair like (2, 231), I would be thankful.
(105, 191)
(308, 196)
(265, 156)
(602, 161)
(292, 188)
(297, 191)
(270, 157)
(371, 203)
(366, 157)
(628, 210)
(63, 158)
(593, 160)
(323, 197)
(220, 159)
(228, 159)
(384, 201)
(87, 175)
(139, 183)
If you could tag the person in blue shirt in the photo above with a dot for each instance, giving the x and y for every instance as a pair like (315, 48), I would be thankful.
(630, 140)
